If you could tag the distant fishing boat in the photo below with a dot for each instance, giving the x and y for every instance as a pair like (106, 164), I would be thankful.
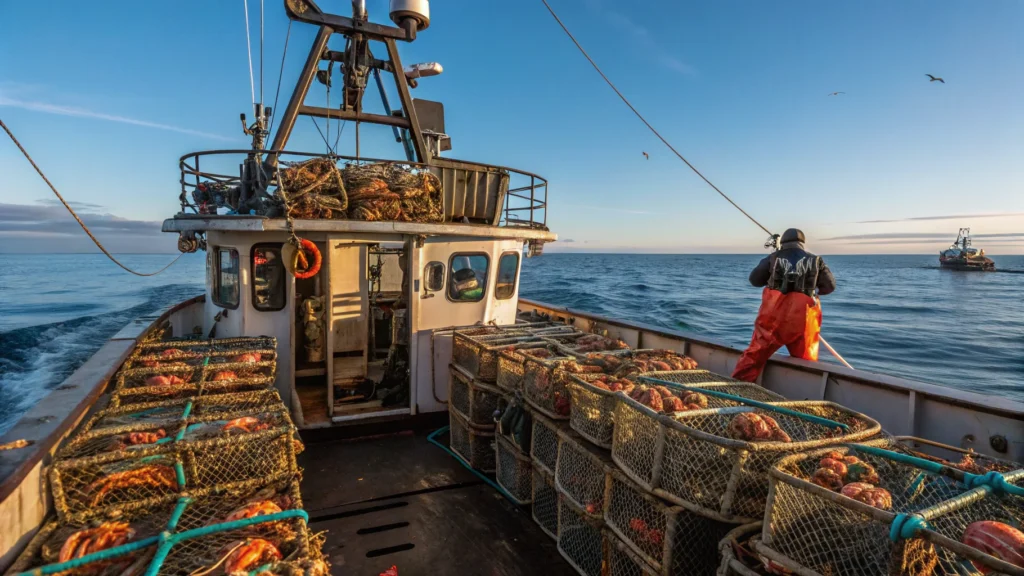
(960, 255)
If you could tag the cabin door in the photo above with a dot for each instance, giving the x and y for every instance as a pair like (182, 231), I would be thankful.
(348, 321)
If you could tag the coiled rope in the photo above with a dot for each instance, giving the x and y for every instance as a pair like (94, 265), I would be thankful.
(79, 220)
(674, 151)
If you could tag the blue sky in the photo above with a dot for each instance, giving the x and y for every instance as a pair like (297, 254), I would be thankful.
(108, 95)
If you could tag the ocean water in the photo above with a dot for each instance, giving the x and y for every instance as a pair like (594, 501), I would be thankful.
(893, 314)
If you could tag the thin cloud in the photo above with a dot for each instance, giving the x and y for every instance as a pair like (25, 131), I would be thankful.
(956, 217)
(83, 113)
(43, 227)
(642, 34)
(915, 237)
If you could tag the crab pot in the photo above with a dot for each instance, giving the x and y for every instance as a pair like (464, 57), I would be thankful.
(671, 539)
(582, 473)
(148, 378)
(208, 454)
(224, 406)
(819, 531)
(478, 355)
(544, 386)
(738, 557)
(966, 460)
(511, 364)
(592, 410)
(569, 344)
(544, 507)
(711, 381)
(622, 561)
(544, 443)
(580, 539)
(475, 447)
(475, 401)
(689, 458)
(204, 347)
(513, 471)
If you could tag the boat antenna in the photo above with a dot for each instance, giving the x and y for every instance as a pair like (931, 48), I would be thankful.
(648, 124)
(248, 49)
(77, 219)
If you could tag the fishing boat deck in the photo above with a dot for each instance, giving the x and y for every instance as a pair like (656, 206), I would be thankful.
(400, 500)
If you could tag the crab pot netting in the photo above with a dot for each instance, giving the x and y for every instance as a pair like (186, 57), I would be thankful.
(717, 383)
(544, 443)
(513, 471)
(208, 456)
(475, 401)
(671, 539)
(478, 355)
(544, 507)
(544, 386)
(212, 375)
(511, 364)
(966, 460)
(569, 344)
(592, 410)
(827, 533)
(689, 458)
(582, 473)
(475, 447)
(580, 539)
(622, 561)
(738, 557)
(225, 406)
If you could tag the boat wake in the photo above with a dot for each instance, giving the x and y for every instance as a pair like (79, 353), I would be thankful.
(36, 359)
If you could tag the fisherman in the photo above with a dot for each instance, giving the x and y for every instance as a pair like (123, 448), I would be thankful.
(790, 313)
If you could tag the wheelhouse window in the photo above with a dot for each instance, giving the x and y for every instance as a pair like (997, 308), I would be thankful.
(467, 281)
(433, 276)
(505, 285)
(225, 290)
(268, 286)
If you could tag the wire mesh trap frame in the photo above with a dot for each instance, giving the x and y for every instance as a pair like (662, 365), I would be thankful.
(738, 558)
(711, 381)
(689, 457)
(544, 385)
(191, 377)
(475, 401)
(622, 561)
(544, 442)
(478, 355)
(224, 406)
(513, 471)
(960, 458)
(511, 365)
(592, 411)
(151, 474)
(671, 539)
(475, 447)
(570, 346)
(544, 508)
(582, 473)
(580, 539)
(813, 530)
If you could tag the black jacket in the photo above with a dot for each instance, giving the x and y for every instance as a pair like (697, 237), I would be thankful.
(792, 251)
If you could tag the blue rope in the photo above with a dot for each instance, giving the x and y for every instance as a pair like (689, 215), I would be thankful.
(906, 526)
(107, 554)
(992, 480)
(754, 403)
(432, 439)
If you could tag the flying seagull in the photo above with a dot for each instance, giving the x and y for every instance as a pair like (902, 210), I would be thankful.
(646, 155)
(836, 93)
(934, 79)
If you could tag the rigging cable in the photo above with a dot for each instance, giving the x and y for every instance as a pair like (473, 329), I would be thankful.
(273, 112)
(248, 49)
(261, 51)
(670, 147)
(79, 220)
(648, 124)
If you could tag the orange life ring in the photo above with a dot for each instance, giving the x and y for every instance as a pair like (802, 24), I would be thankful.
(307, 249)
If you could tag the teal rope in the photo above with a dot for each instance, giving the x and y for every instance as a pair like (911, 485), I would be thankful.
(754, 403)
(107, 554)
(432, 439)
(183, 503)
(906, 526)
(184, 418)
(179, 473)
(992, 480)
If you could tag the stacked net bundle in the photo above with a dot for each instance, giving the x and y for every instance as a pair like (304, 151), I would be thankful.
(582, 473)
(513, 471)
(384, 191)
(739, 557)
(478, 355)
(718, 459)
(545, 438)
(622, 561)
(475, 401)
(580, 539)
(474, 446)
(670, 539)
(315, 189)
(544, 507)
(901, 518)
(183, 369)
(98, 472)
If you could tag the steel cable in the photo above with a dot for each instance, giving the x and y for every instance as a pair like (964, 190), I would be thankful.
(248, 49)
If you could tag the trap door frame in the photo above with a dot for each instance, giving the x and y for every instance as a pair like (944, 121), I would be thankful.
(348, 314)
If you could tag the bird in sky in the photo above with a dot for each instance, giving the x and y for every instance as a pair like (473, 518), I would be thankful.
(836, 93)
(646, 155)
(935, 79)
